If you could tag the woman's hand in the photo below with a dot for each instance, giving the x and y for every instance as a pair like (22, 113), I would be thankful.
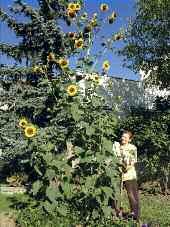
(123, 167)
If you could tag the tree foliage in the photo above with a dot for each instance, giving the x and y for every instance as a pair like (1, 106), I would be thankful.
(147, 42)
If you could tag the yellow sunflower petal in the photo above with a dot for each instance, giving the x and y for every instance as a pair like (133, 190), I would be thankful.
(23, 122)
(78, 7)
(112, 18)
(113, 15)
(93, 22)
(63, 63)
(106, 65)
(71, 6)
(30, 131)
(118, 36)
(72, 90)
(71, 13)
(39, 69)
(79, 43)
(51, 57)
(35, 69)
(95, 77)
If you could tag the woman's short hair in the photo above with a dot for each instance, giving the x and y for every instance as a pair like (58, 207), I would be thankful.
(130, 133)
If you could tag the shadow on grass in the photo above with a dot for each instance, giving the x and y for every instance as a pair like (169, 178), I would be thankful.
(16, 203)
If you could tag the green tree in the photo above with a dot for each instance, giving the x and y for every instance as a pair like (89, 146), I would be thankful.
(147, 42)
(151, 128)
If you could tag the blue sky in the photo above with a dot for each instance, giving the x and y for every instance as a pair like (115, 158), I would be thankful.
(124, 9)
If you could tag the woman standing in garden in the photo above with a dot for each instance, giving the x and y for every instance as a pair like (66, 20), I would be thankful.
(127, 155)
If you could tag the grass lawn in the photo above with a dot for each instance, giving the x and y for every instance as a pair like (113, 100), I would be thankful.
(7, 201)
(4, 204)
(155, 209)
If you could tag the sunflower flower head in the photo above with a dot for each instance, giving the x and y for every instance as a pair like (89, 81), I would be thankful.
(63, 63)
(72, 35)
(30, 131)
(23, 122)
(79, 43)
(95, 78)
(51, 57)
(113, 15)
(87, 28)
(112, 18)
(71, 6)
(71, 13)
(72, 90)
(93, 22)
(104, 7)
(35, 69)
(106, 65)
(78, 7)
(118, 36)
(39, 69)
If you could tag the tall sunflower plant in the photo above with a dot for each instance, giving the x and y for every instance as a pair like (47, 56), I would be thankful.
(75, 166)
(66, 127)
